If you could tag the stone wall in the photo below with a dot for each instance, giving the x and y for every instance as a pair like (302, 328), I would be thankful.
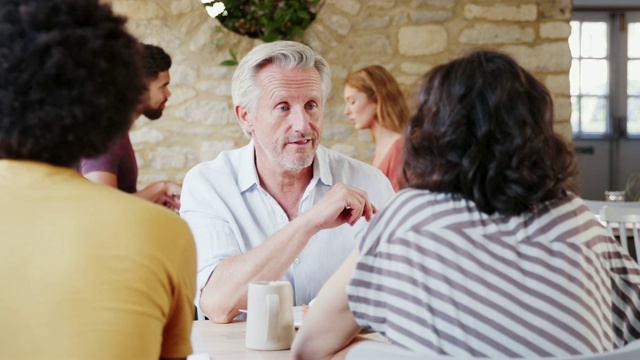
(408, 37)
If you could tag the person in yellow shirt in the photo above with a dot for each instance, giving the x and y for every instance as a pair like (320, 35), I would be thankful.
(86, 271)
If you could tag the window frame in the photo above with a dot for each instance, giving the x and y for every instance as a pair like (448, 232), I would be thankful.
(617, 61)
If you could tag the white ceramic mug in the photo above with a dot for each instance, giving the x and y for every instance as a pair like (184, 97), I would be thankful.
(269, 315)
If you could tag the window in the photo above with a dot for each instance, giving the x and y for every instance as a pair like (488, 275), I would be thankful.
(605, 74)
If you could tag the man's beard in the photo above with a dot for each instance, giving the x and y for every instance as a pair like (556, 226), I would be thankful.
(294, 163)
(153, 113)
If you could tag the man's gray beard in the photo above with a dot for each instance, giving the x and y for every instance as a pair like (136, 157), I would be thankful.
(298, 165)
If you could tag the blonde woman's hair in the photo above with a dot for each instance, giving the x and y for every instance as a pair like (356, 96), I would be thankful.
(380, 86)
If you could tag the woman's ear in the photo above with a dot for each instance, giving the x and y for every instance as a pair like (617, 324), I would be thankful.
(243, 119)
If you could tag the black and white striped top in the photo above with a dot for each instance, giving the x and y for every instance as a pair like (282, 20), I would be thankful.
(439, 277)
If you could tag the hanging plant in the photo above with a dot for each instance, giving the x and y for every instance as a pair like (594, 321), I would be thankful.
(263, 19)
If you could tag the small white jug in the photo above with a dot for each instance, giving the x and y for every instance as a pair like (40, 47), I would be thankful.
(269, 315)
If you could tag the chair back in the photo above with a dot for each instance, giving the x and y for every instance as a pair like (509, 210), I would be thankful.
(625, 218)
(631, 351)
(373, 350)
(596, 205)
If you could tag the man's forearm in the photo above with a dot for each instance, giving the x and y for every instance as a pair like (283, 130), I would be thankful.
(226, 291)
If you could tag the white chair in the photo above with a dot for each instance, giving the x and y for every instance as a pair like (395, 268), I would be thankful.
(625, 218)
(373, 350)
(596, 205)
(629, 352)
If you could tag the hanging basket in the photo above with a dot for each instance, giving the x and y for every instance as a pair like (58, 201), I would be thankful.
(267, 20)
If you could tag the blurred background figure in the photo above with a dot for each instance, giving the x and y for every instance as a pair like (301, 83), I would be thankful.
(487, 252)
(118, 167)
(374, 101)
(632, 189)
(86, 271)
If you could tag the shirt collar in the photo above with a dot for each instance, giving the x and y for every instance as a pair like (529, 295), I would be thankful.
(248, 176)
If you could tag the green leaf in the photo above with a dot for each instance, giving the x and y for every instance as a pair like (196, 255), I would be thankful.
(233, 56)
(229, 63)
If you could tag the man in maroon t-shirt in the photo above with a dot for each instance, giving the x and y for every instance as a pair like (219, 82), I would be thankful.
(118, 167)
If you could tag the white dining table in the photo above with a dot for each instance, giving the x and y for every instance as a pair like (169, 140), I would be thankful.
(226, 342)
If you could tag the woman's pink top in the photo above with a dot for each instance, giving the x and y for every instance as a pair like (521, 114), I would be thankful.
(391, 165)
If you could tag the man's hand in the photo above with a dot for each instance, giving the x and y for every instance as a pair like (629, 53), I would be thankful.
(342, 204)
(171, 196)
(165, 193)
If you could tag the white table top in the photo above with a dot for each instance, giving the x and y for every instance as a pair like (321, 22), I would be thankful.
(226, 342)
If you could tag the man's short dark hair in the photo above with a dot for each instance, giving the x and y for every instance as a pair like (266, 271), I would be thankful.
(70, 79)
(154, 61)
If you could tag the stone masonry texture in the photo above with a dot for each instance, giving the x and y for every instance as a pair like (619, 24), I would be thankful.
(408, 37)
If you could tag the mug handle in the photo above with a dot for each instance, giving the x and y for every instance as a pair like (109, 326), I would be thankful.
(273, 318)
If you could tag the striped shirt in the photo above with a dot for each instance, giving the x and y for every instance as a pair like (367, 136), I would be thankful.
(438, 276)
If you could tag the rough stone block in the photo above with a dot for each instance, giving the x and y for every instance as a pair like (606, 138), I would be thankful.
(415, 68)
(182, 6)
(562, 107)
(138, 10)
(547, 57)
(145, 180)
(218, 72)
(202, 37)
(384, 4)
(563, 128)
(222, 88)
(483, 34)
(146, 134)
(555, 30)
(182, 75)
(558, 84)
(209, 150)
(180, 94)
(372, 46)
(364, 136)
(338, 23)
(430, 16)
(152, 31)
(207, 112)
(351, 7)
(345, 149)
(528, 12)
(555, 9)
(422, 40)
(172, 157)
(438, 3)
(374, 22)
(325, 36)
(338, 132)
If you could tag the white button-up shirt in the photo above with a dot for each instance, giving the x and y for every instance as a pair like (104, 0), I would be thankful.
(229, 213)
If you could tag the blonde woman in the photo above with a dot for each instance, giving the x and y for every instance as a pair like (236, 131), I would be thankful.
(374, 101)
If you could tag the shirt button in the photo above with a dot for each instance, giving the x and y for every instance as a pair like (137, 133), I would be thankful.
(297, 261)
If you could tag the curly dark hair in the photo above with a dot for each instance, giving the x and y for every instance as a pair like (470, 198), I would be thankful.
(154, 61)
(484, 131)
(70, 79)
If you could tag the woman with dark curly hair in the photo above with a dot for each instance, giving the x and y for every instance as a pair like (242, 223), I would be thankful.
(86, 272)
(486, 252)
